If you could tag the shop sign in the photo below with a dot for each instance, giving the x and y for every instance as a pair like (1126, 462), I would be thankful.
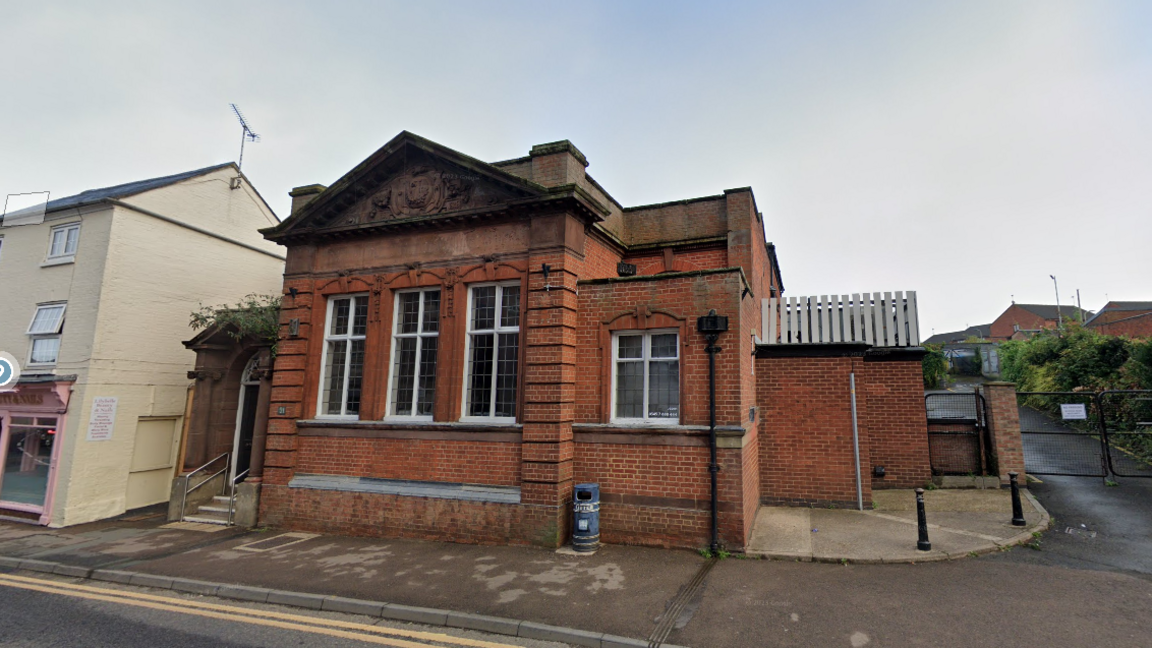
(103, 418)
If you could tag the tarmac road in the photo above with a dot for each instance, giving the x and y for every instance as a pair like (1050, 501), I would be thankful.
(56, 612)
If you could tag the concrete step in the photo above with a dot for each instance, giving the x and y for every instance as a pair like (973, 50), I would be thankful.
(208, 519)
(213, 508)
(221, 499)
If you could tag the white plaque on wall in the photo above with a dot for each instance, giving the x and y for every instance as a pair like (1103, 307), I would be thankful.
(102, 419)
(1073, 411)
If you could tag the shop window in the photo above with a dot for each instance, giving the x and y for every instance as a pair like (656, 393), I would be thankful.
(415, 343)
(47, 323)
(493, 351)
(343, 357)
(646, 376)
(63, 242)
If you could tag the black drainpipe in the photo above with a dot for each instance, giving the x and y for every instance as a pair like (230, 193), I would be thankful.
(712, 325)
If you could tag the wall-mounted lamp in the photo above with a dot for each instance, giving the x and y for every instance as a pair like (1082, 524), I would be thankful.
(545, 268)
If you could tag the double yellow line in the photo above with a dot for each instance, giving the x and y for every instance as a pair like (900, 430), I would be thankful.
(380, 635)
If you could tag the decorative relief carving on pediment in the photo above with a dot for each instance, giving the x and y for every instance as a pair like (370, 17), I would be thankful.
(425, 190)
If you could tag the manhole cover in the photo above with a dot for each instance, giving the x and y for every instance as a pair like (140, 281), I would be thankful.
(277, 542)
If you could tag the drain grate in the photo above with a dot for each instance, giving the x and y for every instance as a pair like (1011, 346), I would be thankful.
(277, 542)
(668, 622)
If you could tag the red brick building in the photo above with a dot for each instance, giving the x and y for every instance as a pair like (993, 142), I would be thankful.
(1131, 319)
(1022, 320)
(463, 341)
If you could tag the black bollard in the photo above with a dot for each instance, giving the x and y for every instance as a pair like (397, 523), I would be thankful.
(922, 522)
(1017, 509)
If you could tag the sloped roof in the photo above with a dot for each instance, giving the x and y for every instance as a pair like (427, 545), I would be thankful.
(1048, 311)
(1114, 306)
(93, 196)
(978, 331)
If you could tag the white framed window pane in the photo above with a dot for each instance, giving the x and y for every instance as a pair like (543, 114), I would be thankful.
(663, 389)
(506, 369)
(510, 306)
(355, 377)
(47, 319)
(647, 376)
(360, 316)
(408, 319)
(664, 346)
(480, 375)
(431, 321)
(59, 238)
(403, 376)
(483, 307)
(73, 237)
(45, 350)
(630, 389)
(630, 346)
(427, 388)
(339, 324)
(334, 369)
(415, 347)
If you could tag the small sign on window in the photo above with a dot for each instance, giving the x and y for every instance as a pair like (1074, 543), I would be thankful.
(1073, 411)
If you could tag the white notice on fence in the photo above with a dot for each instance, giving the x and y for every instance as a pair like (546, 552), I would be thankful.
(103, 416)
(1073, 411)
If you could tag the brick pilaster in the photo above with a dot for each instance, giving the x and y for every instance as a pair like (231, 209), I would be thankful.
(1004, 423)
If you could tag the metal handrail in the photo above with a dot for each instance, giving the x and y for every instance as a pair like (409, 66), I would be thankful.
(188, 480)
(232, 497)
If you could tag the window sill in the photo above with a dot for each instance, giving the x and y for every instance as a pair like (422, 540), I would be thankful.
(406, 488)
(427, 430)
(58, 261)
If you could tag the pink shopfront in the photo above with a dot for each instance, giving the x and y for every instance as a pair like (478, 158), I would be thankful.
(32, 419)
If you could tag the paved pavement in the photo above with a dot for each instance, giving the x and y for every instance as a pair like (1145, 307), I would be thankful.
(1045, 596)
(960, 523)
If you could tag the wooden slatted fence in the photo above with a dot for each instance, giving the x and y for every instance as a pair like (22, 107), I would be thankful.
(879, 319)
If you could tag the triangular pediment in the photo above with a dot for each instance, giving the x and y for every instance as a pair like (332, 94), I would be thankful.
(409, 179)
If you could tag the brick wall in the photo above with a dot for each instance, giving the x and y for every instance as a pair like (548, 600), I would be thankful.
(453, 461)
(890, 405)
(805, 433)
(1133, 326)
(806, 454)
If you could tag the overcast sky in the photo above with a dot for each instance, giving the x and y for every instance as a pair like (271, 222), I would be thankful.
(965, 150)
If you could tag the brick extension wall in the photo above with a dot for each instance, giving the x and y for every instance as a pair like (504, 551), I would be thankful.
(805, 436)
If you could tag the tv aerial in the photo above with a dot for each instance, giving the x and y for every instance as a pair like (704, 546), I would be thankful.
(247, 135)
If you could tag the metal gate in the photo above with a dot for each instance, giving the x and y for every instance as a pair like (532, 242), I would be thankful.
(1127, 417)
(1087, 434)
(957, 434)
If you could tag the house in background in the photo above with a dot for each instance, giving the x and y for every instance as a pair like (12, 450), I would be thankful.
(1132, 319)
(978, 332)
(95, 300)
(1020, 321)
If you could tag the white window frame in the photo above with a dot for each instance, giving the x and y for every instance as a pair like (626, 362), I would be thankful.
(496, 331)
(420, 336)
(645, 358)
(64, 256)
(53, 331)
(329, 337)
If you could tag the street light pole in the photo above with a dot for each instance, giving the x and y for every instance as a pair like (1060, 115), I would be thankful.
(1059, 319)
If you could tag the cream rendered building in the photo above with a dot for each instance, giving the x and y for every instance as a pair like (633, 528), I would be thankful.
(94, 303)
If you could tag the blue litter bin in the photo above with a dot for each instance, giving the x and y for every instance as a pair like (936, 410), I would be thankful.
(586, 517)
